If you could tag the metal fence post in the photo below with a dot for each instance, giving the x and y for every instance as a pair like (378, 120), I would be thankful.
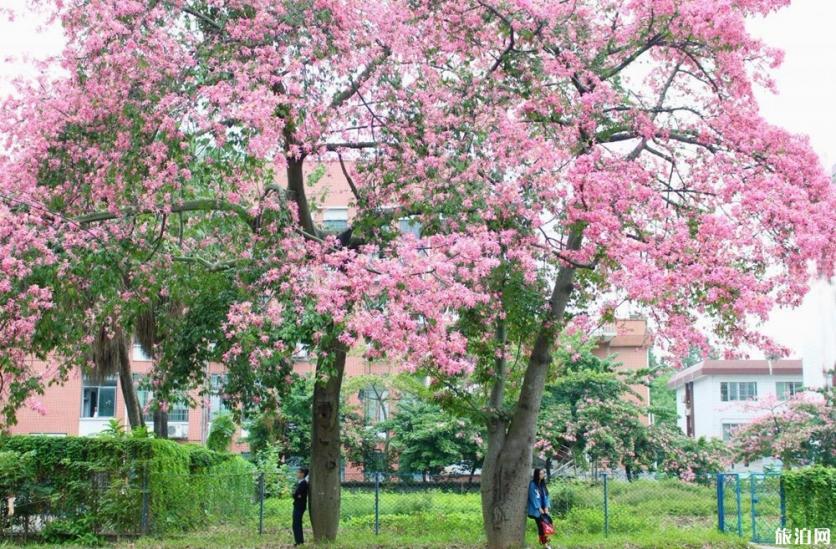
(783, 502)
(606, 507)
(752, 503)
(721, 503)
(376, 503)
(739, 509)
(261, 503)
(143, 517)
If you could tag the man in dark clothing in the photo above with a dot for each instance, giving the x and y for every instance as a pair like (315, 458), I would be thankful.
(300, 503)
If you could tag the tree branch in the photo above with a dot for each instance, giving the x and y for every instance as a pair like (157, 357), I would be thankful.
(197, 205)
(346, 94)
(333, 147)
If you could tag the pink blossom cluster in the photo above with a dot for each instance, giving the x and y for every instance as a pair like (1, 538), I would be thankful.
(520, 135)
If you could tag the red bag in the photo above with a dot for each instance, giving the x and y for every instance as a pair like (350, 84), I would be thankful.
(548, 527)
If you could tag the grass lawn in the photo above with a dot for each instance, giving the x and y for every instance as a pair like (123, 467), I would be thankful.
(244, 537)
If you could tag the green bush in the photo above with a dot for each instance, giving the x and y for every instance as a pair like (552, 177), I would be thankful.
(811, 497)
(591, 520)
(279, 481)
(221, 433)
(78, 531)
(96, 485)
(201, 459)
(564, 497)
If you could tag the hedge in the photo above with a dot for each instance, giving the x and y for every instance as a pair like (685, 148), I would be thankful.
(811, 497)
(84, 486)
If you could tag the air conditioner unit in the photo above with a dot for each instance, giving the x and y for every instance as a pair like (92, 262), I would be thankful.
(178, 430)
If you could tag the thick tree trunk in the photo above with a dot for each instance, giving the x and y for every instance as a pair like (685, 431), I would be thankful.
(325, 448)
(128, 389)
(507, 467)
(505, 477)
(160, 424)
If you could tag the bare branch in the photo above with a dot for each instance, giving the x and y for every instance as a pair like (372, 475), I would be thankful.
(356, 145)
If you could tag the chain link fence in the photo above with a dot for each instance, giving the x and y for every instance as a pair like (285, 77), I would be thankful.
(449, 511)
(392, 509)
(115, 507)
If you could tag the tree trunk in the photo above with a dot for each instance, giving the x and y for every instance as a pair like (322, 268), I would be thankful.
(325, 448)
(507, 467)
(126, 380)
(160, 423)
(296, 186)
(505, 476)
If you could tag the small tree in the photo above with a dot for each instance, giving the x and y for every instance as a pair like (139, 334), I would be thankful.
(800, 431)
(688, 458)
(587, 416)
(427, 439)
(221, 433)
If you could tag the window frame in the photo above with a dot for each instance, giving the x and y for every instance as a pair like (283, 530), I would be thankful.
(329, 218)
(727, 428)
(794, 388)
(731, 391)
(177, 410)
(108, 384)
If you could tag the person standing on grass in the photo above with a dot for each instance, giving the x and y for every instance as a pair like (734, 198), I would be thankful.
(300, 503)
(538, 503)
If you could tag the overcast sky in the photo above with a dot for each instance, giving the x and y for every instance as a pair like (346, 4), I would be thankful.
(805, 103)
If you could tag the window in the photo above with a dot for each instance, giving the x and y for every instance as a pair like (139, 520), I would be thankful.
(301, 352)
(374, 399)
(786, 389)
(738, 390)
(335, 220)
(217, 404)
(728, 430)
(98, 398)
(177, 411)
(138, 353)
(409, 225)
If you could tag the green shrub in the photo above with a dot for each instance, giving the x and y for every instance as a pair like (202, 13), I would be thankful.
(591, 521)
(96, 485)
(564, 497)
(811, 497)
(278, 479)
(201, 459)
(221, 433)
(79, 531)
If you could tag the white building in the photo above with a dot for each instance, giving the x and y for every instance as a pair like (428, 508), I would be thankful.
(715, 396)
(809, 332)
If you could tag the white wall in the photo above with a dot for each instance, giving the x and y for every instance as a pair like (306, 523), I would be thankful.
(809, 331)
(710, 412)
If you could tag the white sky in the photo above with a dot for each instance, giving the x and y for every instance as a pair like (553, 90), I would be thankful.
(805, 103)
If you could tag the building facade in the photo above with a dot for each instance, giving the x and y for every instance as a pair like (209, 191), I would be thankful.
(716, 396)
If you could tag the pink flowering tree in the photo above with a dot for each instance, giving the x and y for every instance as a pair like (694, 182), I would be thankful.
(561, 158)
(690, 459)
(598, 154)
(800, 431)
(587, 417)
(590, 417)
(154, 173)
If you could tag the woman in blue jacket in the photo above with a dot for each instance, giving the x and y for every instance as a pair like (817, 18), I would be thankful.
(538, 501)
